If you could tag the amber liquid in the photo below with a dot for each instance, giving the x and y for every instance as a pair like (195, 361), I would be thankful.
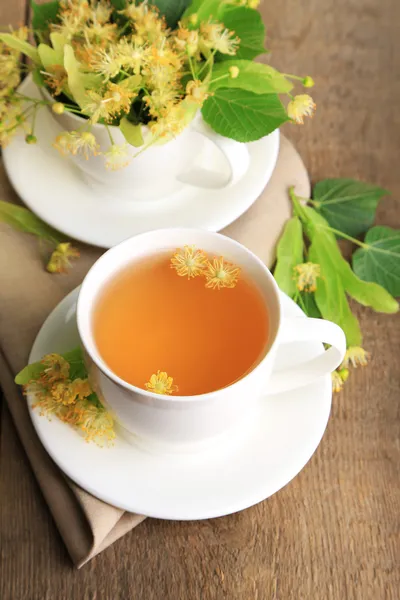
(149, 319)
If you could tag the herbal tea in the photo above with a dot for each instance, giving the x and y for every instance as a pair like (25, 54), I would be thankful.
(187, 325)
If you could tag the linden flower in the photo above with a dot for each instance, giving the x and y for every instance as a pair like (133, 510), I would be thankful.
(339, 377)
(189, 261)
(56, 78)
(101, 12)
(187, 41)
(337, 382)
(133, 55)
(96, 423)
(106, 62)
(355, 356)
(306, 276)
(56, 368)
(301, 106)
(197, 92)
(76, 143)
(160, 383)
(221, 273)
(216, 36)
(118, 97)
(11, 119)
(60, 260)
(117, 157)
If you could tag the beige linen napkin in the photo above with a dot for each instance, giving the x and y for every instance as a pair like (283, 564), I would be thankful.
(27, 295)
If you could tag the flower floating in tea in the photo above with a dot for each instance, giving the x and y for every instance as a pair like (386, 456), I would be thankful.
(161, 383)
(306, 275)
(189, 261)
(221, 274)
(60, 387)
(192, 262)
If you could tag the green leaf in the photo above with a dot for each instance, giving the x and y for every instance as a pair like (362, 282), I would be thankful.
(172, 10)
(49, 56)
(29, 373)
(43, 14)
(76, 360)
(204, 9)
(243, 115)
(367, 294)
(380, 260)
(75, 77)
(348, 205)
(20, 46)
(289, 253)
(308, 305)
(119, 4)
(131, 132)
(248, 25)
(330, 295)
(77, 368)
(254, 77)
(22, 219)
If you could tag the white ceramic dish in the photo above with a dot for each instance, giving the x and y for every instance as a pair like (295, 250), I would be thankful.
(55, 189)
(239, 472)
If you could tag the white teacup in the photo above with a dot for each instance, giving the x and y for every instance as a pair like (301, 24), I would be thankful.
(198, 156)
(179, 422)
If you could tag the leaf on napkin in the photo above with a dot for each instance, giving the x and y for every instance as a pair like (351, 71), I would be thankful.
(22, 219)
(289, 253)
(380, 260)
(348, 205)
(243, 115)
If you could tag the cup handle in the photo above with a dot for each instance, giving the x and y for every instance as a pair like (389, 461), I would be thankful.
(236, 155)
(299, 329)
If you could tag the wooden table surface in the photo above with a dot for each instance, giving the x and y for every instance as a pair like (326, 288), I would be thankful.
(333, 532)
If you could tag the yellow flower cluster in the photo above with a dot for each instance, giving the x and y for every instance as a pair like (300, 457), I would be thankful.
(69, 399)
(191, 262)
(355, 356)
(11, 117)
(146, 48)
(306, 275)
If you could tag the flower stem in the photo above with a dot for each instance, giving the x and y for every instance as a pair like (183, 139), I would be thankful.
(345, 236)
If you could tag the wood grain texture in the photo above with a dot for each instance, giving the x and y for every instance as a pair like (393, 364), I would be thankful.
(332, 533)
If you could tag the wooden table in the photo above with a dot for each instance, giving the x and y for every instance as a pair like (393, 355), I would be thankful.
(332, 533)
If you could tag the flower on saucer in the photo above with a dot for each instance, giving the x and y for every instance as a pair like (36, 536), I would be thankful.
(60, 260)
(56, 368)
(117, 157)
(161, 383)
(355, 356)
(301, 106)
(76, 143)
(221, 274)
(306, 275)
(189, 261)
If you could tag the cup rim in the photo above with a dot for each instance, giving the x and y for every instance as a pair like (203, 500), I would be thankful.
(109, 373)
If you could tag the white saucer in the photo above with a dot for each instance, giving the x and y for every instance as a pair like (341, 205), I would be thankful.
(218, 482)
(53, 188)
